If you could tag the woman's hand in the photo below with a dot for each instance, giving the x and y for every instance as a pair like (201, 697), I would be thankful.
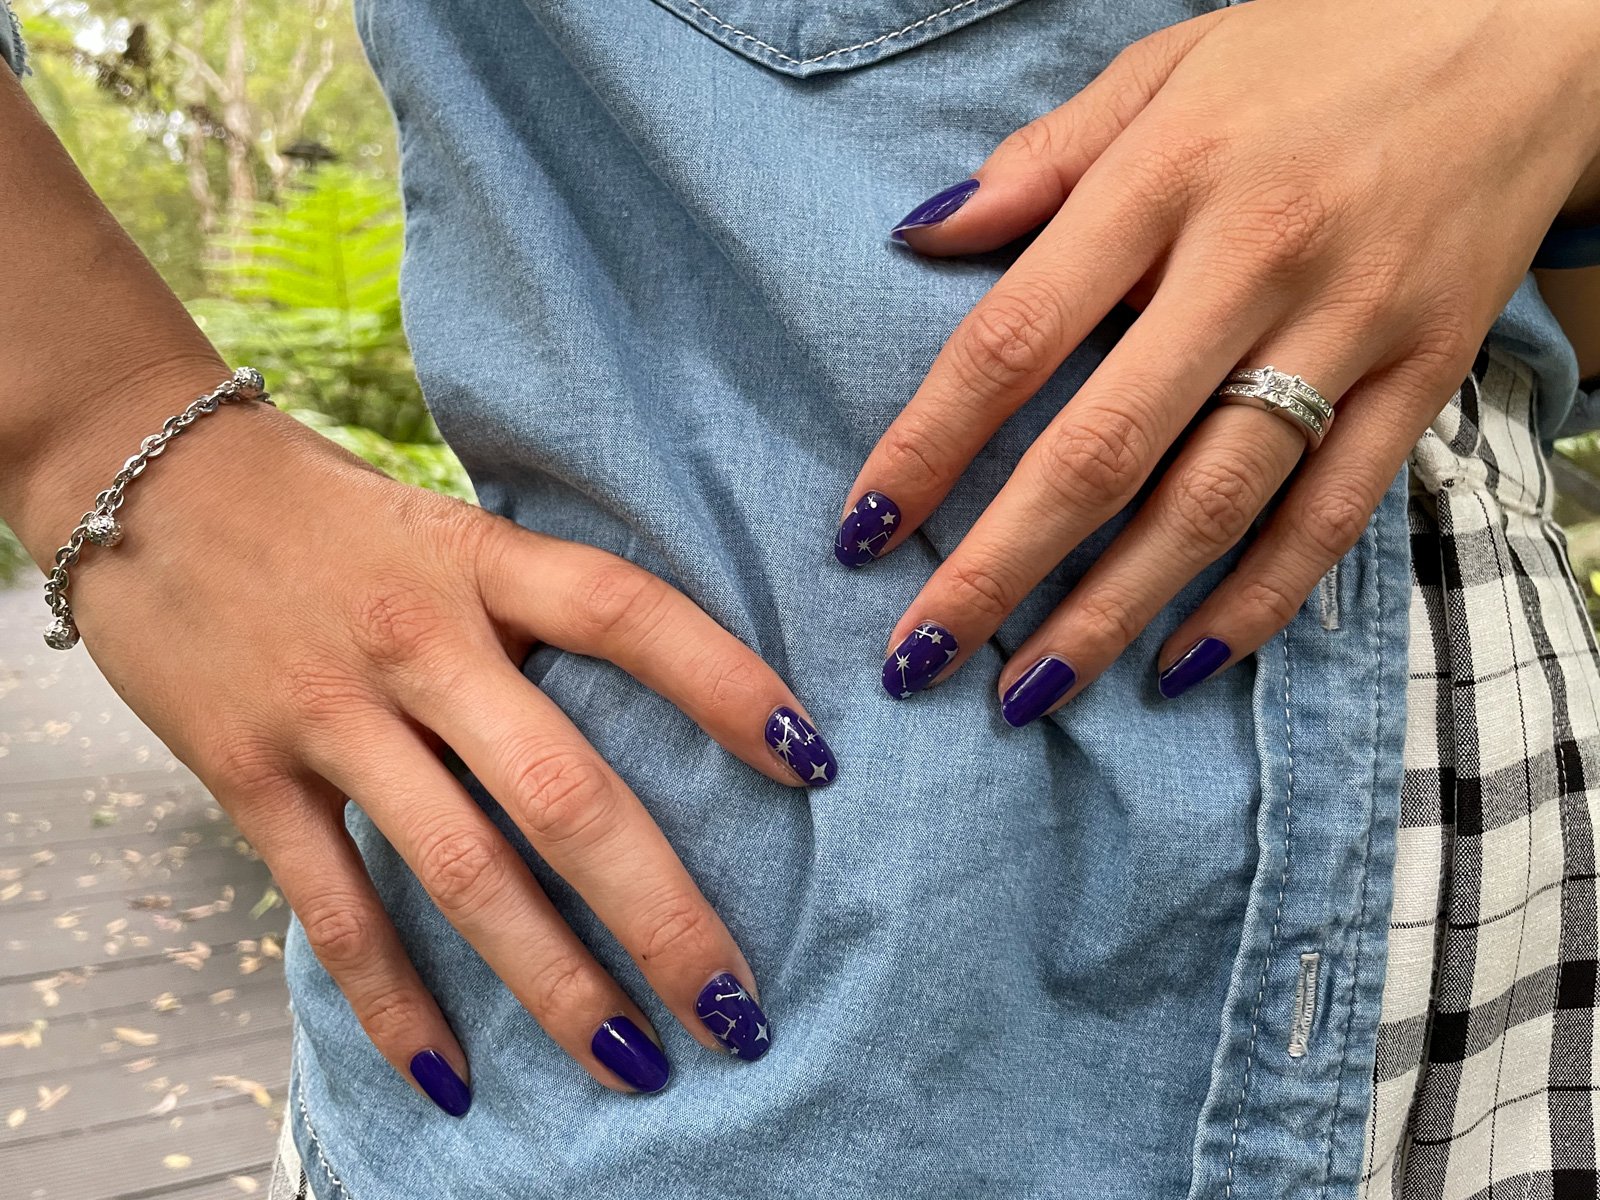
(299, 628)
(1347, 190)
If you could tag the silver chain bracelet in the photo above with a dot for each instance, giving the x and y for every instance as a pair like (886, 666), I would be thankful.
(100, 526)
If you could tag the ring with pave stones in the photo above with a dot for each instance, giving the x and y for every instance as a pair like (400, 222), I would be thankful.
(1286, 396)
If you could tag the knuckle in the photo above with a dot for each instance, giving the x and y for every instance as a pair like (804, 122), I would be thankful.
(460, 867)
(914, 454)
(1271, 598)
(1335, 518)
(617, 599)
(321, 693)
(1212, 504)
(679, 927)
(391, 1016)
(1009, 339)
(1285, 226)
(566, 985)
(395, 622)
(1036, 139)
(1096, 461)
(1112, 614)
(340, 930)
(727, 679)
(975, 588)
(562, 795)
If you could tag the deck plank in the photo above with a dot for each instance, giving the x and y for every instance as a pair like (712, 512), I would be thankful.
(113, 859)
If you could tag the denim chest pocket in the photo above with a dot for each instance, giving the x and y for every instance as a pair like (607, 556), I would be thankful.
(808, 37)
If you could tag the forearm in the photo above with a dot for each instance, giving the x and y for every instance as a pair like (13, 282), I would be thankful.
(95, 350)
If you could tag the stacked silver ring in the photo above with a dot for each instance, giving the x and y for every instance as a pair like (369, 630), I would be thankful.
(1286, 396)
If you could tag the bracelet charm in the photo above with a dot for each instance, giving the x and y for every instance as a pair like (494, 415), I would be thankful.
(100, 527)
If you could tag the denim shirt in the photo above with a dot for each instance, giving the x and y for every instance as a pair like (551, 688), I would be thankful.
(653, 308)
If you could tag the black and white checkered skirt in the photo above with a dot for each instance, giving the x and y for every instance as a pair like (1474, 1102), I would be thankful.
(1486, 1065)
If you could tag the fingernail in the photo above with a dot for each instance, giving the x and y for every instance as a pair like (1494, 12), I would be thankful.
(796, 740)
(916, 661)
(631, 1056)
(935, 208)
(438, 1078)
(866, 530)
(1041, 685)
(1202, 660)
(734, 1018)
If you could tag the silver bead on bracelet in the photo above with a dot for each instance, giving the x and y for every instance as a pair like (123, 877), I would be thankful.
(100, 526)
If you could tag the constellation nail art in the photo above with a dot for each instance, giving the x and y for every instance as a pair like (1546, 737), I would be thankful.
(796, 740)
(917, 661)
(734, 1018)
(866, 530)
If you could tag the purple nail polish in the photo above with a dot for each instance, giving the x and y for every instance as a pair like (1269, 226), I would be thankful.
(796, 740)
(866, 530)
(916, 662)
(734, 1018)
(1201, 661)
(622, 1047)
(935, 208)
(1041, 685)
(438, 1078)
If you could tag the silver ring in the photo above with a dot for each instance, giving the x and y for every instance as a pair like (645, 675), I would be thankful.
(1286, 396)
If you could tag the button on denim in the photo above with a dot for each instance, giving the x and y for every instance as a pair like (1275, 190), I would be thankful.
(655, 308)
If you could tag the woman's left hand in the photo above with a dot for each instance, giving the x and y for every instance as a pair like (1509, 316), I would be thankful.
(1347, 190)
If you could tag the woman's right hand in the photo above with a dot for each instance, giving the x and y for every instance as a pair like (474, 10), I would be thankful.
(300, 629)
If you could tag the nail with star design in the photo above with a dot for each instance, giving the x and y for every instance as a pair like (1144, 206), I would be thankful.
(866, 530)
(916, 662)
(734, 1018)
(796, 740)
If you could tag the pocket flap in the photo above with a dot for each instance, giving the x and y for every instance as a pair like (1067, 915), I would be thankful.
(808, 37)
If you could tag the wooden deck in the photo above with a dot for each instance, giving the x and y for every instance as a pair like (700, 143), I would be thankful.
(144, 1028)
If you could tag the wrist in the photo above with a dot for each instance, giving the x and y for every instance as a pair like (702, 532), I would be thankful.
(63, 445)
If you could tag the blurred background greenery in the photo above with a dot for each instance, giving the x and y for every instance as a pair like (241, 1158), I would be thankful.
(246, 147)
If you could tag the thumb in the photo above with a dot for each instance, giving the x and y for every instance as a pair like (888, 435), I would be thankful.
(1029, 175)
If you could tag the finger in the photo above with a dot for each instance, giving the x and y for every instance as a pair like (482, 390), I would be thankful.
(1321, 518)
(1032, 172)
(1099, 245)
(487, 892)
(593, 831)
(589, 602)
(1081, 471)
(1227, 471)
(1229, 468)
(317, 866)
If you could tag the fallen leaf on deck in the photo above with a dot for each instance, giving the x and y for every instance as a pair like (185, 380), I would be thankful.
(139, 1064)
(249, 964)
(245, 1184)
(166, 1002)
(176, 1162)
(117, 926)
(245, 1087)
(150, 902)
(135, 1037)
(223, 996)
(69, 918)
(272, 946)
(17, 1117)
(28, 1039)
(11, 891)
(49, 1099)
(194, 957)
(269, 901)
(169, 1102)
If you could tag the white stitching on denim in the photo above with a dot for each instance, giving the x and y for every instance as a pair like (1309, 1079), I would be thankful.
(805, 62)
(311, 1132)
(1277, 917)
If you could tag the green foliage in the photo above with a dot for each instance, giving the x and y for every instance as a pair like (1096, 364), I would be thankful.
(312, 300)
(15, 565)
